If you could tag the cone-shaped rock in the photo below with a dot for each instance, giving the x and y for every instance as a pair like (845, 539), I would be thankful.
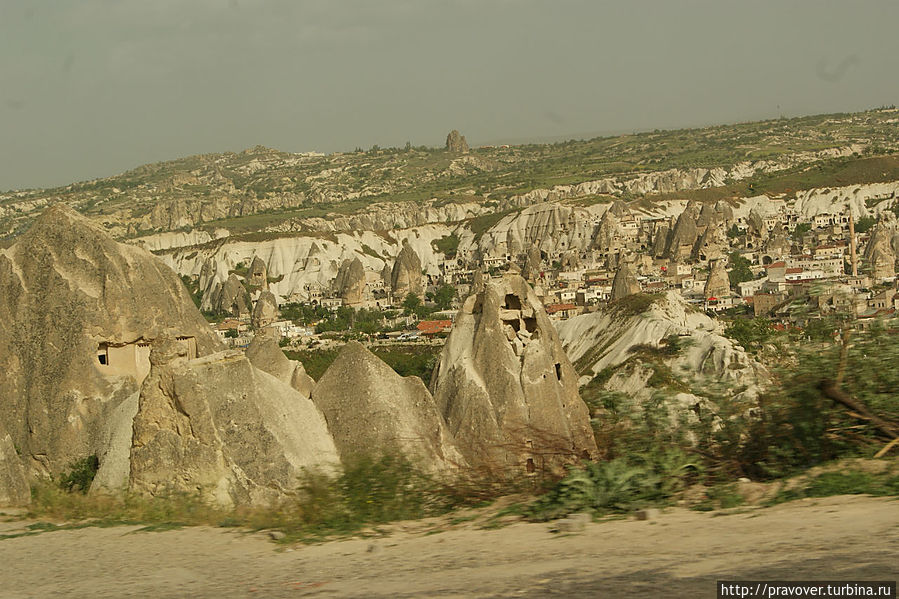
(265, 354)
(258, 273)
(218, 426)
(624, 283)
(371, 410)
(406, 275)
(685, 233)
(350, 281)
(505, 386)
(231, 297)
(265, 311)
(77, 312)
(608, 234)
(718, 283)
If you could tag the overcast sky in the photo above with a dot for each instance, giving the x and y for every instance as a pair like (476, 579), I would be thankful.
(90, 88)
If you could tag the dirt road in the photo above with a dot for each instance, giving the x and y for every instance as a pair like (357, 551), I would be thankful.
(678, 554)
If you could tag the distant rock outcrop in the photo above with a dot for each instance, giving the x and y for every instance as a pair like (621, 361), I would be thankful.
(718, 283)
(265, 311)
(695, 351)
(77, 314)
(218, 426)
(371, 410)
(624, 283)
(532, 264)
(880, 253)
(685, 233)
(506, 387)
(265, 354)
(14, 489)
(350, 282)
(405, 278)
(257, 276)
(231, 297)
(456, 143)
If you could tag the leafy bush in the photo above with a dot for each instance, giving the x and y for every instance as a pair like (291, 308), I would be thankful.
(81, 474)
(621, 484)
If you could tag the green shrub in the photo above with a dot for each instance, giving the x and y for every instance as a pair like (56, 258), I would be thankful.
(80, 475)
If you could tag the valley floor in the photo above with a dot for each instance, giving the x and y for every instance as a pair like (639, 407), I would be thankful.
(680, 553)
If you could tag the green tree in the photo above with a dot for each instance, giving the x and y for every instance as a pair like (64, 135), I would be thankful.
(739, 270)
(864, 224)
(411, 304)
(444, 297)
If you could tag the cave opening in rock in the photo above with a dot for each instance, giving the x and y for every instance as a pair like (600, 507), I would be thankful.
(530, 324)
(558, 371)
(512, 302)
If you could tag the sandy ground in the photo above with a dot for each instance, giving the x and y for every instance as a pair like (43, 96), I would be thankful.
(680, 553)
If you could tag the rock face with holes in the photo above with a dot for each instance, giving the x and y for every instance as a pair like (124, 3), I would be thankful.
(257, 276)
(218, 426)
(371, 410)
(505, 386)
(14, 489)
(265, 354)
(77, 313)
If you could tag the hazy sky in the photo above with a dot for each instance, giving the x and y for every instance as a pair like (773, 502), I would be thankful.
(90, 88)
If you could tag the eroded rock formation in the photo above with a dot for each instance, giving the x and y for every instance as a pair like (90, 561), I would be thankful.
(505, 386)
(372, 410)
(455, 142)
(265, 354)
(218, 426)
(77, 313)
(624, 283)
(350, 281)
(14, 489)
(405, 278)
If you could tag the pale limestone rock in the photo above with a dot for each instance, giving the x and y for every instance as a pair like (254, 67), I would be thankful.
(265, 311)
(609, 234)
(69, 297)
(258, 273)
(350, 281)
(405, 278)
(506, 388)
(14, 489)
(708, 358)
(718, 283)
(219, 427)
(265, 354)
(685, 233)
(624, 283)
(371, 410)
(231, 297)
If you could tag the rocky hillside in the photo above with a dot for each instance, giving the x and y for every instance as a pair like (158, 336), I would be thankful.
(643, 344)
(261, 189)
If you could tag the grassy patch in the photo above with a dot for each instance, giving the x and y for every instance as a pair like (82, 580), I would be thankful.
(850, 482)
